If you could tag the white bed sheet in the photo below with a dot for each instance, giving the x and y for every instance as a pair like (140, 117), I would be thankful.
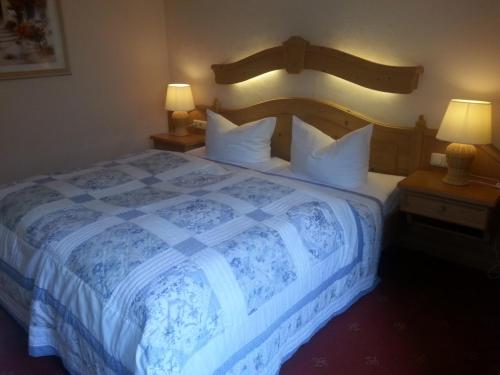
(383, 187)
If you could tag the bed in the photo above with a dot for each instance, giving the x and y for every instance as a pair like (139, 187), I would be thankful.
(161, 263)
(156, 262)
(170, 263)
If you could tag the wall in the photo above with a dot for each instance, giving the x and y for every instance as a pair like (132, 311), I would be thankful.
(110, 104)
(456, 42)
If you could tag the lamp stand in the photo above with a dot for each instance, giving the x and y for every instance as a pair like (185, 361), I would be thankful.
(180, 120)
(459, 157)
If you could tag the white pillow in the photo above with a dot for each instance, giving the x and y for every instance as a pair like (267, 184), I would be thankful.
(342, 163)
(248, 143)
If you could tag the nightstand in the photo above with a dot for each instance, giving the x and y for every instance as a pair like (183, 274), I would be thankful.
(170, 142)
(450, 220)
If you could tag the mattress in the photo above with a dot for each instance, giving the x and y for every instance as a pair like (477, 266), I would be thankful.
(167, 263)
(383, 187)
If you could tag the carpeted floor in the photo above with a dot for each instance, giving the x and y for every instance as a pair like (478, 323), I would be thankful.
(425, 317)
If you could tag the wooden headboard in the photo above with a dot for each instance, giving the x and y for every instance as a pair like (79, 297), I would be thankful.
(297, 54)
(394, 149)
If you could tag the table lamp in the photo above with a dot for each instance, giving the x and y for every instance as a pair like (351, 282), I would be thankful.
(179, 99)
(465, 123)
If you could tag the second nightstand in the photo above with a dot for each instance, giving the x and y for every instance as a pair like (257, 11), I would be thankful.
(449, 218)
(170, 142)
(423, 193)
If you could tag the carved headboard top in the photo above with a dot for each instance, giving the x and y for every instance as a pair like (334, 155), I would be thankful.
(297, 54)
(394, 149)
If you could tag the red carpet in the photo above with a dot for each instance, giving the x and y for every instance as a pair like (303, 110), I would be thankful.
(425, 317)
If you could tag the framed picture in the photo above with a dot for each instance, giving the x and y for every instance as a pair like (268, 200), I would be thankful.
(31, 39)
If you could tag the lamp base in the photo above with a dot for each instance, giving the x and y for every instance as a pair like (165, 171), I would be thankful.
(459, 157)
(180, 120)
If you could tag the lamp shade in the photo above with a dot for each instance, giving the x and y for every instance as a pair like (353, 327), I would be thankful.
(467, 122)
(179, 97)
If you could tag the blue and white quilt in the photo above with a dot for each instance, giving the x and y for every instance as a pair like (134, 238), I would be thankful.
(166, 263)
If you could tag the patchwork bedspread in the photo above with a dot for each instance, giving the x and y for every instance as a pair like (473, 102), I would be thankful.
(165, 263)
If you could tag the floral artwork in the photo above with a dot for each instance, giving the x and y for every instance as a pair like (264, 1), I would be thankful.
(31, 39)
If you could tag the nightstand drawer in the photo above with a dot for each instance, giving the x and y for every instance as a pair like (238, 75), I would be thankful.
(445, 210)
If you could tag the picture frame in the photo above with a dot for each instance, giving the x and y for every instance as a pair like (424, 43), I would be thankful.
(32, 42)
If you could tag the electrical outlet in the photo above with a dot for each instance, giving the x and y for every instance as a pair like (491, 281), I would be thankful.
(438, 160)
(199, 124)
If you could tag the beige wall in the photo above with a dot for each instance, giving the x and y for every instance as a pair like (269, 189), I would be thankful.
(109, 105)
(118, 52)
(457, 42)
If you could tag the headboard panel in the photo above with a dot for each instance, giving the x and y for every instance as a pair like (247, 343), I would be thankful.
(297, 54)
(394, 150)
